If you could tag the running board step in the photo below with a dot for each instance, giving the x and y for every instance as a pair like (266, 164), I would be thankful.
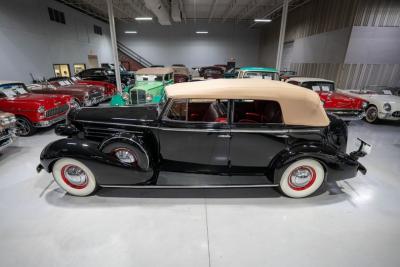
(192, 186)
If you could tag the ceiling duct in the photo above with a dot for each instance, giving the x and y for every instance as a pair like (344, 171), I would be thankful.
(159, 10)
(176, 13)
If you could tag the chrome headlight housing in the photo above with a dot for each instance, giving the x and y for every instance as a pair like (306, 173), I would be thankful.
(41, 109)
(387, 107)
(86, 96)
(125, 96)
(4, 121)
(149, 97)
(364, 105)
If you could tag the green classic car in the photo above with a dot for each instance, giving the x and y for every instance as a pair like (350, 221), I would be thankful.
(148, 88)
(258, 73)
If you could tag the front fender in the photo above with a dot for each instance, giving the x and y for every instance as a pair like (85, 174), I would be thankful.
(337, 165)
(117, 100)
(107, 169)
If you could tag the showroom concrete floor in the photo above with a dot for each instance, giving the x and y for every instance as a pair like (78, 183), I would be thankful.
(355, 223)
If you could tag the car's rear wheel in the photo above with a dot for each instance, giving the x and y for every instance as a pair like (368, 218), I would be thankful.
(74, 177)
(302, 178)
(24, 127)
(371, 114)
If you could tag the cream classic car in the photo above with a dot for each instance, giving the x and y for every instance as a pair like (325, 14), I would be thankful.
(384, 104)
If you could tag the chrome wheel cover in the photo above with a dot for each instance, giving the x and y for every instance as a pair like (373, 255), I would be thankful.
(372, 114)
(23, 128)
(74, 176)
(125, 155)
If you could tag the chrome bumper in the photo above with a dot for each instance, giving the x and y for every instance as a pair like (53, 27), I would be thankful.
(48, 123)
(6, 140)
(93, 101)
(347, 115)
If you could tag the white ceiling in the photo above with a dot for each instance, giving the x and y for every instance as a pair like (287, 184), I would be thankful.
(238, 11)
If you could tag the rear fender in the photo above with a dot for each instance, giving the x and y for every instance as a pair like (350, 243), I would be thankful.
(107, 169)
(337, 165)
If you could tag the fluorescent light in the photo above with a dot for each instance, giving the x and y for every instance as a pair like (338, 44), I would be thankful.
(262, 20)
(201, 32)
(134, 32)
(144, 18)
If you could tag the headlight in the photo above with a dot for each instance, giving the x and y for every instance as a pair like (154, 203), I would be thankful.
(41, 109)
(125, 96)
(149, 97)
(86, 97)
(4, 121)
(364, 105)
(387, 107)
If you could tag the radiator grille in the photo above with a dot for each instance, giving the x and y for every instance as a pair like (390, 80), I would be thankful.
(138, 97)
(396, 114)
(55, 111)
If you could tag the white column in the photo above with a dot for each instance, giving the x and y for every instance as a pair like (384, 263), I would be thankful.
(114, 44)
(282, 34)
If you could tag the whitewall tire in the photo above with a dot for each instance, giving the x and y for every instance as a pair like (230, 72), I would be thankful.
(74, 177)
(302, 178)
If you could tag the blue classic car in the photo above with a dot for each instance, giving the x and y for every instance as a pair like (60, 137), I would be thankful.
(258, 73)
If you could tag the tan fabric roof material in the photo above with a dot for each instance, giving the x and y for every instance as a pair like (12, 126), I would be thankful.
(300, 106)
(154, 71)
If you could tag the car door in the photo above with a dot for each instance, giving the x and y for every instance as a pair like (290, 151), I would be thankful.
(258, 135)
(194, 136)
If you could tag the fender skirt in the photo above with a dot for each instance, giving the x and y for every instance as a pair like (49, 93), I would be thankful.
(107, 169)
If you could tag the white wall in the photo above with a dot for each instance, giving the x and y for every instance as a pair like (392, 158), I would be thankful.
(180, 44)
(31, 43)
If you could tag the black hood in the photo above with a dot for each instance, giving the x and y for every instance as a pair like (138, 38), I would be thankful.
(131, 115)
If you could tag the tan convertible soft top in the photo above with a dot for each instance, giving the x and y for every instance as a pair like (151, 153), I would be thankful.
(300, 106)
(154, 71)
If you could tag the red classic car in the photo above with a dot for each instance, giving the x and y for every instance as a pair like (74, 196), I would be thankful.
(110, 89)
(84, 95)
(346, 107)
(32, 110)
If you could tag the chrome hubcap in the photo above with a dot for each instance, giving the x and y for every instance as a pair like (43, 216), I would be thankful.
(125, 155)
(22, 127)
(75, 176)
(300, 177)
(371, 114)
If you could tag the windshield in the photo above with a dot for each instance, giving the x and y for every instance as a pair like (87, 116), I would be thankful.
(319, 86)
(150, 78)
(13, 90)
(261, 75)
(381, 90)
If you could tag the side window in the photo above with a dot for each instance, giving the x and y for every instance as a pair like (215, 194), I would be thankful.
(256, 111)
(199, 110)
(294, 82)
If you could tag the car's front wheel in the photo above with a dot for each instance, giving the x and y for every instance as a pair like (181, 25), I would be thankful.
(371, 114)
(24, 127)
(302, 178)
(74, 177)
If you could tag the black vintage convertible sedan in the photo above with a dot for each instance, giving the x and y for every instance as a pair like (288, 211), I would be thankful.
(252, 127)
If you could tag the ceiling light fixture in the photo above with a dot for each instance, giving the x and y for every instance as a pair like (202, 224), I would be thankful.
(144, 18)
(133, 32)
(262, 20)
(202, 32)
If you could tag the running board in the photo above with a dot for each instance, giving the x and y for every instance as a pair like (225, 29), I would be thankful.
(192, 186)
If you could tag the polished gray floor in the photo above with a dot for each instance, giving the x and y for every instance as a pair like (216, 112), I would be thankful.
(355, 223)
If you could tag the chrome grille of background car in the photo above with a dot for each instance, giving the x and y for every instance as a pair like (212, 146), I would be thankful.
(138, 97)
(396, 114)
(94, 94)
(56, 110)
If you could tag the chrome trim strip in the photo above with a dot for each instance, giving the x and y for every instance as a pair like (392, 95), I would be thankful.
(191, 186)
(194, 130)
(123, 124)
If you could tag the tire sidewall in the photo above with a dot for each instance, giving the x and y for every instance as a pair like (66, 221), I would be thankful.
(89, 189)
(32, 129)
(320, 177)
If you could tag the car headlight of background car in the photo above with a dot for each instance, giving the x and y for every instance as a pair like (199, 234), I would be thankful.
(149, 97)
(387, 107)
(125, 96)
(7, 121)
(364, 105)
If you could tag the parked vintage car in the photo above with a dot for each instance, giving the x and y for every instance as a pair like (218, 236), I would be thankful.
(7, 129)
(231, 73)
(181, 74)
(346, 107)
(258, 73)
(149, 87)
(107, 75)
(83, 95)
(383, 103)
(287, 74)
(211, 72)
(267, 128)
(32, 110)
(110, 89)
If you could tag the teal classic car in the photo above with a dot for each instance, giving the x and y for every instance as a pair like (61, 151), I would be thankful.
(148, 88)
(258, 73)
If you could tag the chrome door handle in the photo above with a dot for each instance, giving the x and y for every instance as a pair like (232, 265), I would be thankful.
(224, 136)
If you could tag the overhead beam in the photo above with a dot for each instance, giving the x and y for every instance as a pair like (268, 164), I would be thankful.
(212, 10)
(282, 34)
(228, 12)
